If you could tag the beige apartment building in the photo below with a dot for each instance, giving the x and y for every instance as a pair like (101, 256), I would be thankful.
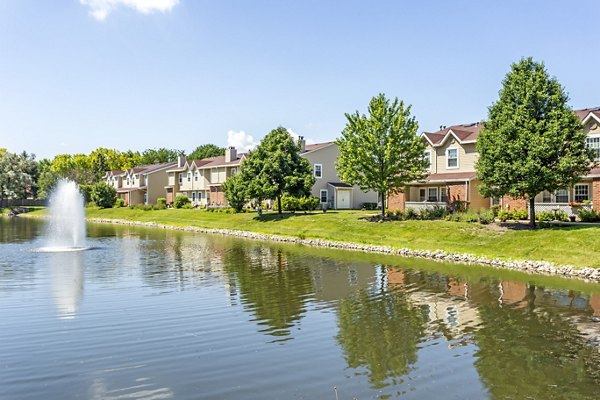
(139, 185)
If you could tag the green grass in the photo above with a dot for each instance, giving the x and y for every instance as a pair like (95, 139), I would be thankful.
(574, 245)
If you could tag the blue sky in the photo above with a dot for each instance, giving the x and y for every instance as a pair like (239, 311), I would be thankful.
(78, 74)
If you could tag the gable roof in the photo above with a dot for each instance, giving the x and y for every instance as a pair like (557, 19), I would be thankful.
(464, 133)
(588, 113)
(147, 169)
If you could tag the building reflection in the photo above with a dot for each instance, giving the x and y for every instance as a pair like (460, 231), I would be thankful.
(67, 282)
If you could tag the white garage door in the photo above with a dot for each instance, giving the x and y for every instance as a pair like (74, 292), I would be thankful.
(343, 199)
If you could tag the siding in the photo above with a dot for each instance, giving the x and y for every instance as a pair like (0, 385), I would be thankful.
(467, 156)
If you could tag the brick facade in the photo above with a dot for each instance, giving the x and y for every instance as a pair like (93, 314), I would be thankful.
(456, 191)
(396, 201)
(596, 194)
(217, 196)
(513, 203)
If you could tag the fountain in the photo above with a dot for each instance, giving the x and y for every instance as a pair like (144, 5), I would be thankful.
(66, 228)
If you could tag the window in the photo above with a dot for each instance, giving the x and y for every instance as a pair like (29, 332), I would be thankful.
(432, 194)
(443, 198)
(318, 171)
(196, 176)
(546, 197)
(452, 158)
(199, 196)
(233, 171)
(582, 193)
(495, 201)
(193, 196)
(128, 181)
(323, 196)
(422, 193)
(427, 158)
(180, 179)
(145, 198)
(593, 143)
(189, 176)
(562, 196)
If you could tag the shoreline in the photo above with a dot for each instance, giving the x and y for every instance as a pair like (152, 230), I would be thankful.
(528, 266)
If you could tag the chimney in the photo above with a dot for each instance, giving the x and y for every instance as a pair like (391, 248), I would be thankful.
(230, 154)
(302, 144)
(180, 161)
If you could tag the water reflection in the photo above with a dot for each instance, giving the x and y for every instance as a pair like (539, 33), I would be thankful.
(274, 290)
(67, 282)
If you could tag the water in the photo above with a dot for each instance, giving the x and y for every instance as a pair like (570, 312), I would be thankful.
(155, 314)
(66, 228)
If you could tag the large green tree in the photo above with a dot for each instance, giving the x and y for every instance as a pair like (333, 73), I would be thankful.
(159, 156)
(275, 168)
(235, 192)
(17, 175)
(206, 151)
(381, 151)
(532, 141)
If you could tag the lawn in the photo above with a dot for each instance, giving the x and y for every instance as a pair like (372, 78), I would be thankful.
(573, 245)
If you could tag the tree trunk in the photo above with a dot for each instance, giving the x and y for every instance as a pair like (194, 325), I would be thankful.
(279, 204)
(532, 211)
(382, 206)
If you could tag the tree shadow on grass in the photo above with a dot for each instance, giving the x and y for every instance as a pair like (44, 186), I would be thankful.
(274, 217)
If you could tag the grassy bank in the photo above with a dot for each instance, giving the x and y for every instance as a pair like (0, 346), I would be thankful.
(573, 245)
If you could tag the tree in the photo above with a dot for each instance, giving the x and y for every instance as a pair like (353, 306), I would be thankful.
(159, 156)
(381, 152)
(532, 140)
(235, 193)
(206, 151)
(16, 175)
(103, 195)
(275, 168)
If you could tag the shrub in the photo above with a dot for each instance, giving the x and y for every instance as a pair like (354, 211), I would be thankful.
(544, 216)
(504, 215)
(410, 213)
(496, 209)
(309, 203)
(161, 201)
(103, 195)
(289, 203)
(588, 215)
(368, 206)
(520, 214)
(562, 216)
(180, 201)
(187, 206)
(486, 217)
(119, 202)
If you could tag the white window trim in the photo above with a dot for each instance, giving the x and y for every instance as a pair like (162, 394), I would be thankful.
(555, 196)
(589, 194)
(315, 171)
(592, 135)
(437, 194)
(429, 157)
(457, 157)
(424, 197)
(326, 196)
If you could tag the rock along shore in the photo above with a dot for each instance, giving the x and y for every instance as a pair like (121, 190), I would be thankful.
(529, 266)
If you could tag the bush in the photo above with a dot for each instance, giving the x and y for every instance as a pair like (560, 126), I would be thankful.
(119, 202)
(486, 217)
(309, 203)
(521, 214)
(496, 209)
(411, 213)
(504, 215)
(544, 216)
(368, 206)
(588, 215)
(103, 195)
(161, 201)
(186, 206)
(180, 201)
(289, 203)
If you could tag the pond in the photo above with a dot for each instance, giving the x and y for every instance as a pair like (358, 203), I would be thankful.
(159, 314)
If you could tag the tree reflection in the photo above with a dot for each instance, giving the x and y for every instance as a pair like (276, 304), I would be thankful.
(533, 352)
(380, 332)
(274, 288)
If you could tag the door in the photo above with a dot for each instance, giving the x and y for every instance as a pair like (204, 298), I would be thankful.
(343, 199)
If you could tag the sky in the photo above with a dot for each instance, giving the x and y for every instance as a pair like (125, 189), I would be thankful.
(136, 74)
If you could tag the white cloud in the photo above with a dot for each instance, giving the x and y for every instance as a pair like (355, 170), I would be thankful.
(100, 9)
(296, 136)
(240, 140)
